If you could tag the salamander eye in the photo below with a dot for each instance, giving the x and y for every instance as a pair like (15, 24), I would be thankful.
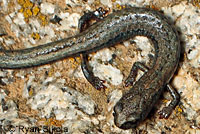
(118, 108)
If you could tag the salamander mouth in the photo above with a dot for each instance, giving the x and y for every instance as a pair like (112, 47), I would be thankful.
(122, 121)
(128, 125)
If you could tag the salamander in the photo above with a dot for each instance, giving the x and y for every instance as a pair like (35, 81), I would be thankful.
(135, 105)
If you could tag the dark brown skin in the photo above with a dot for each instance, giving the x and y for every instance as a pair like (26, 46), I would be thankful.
(119, 26)
(135, 105)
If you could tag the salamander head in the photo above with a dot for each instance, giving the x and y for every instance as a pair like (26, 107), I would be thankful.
(125, 119)
(130, 110)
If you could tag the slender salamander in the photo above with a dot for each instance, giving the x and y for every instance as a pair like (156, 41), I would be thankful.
(135, 105)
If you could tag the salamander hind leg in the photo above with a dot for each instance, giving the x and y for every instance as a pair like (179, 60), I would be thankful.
(96, 82)
(84, 23)
(166, 111)
(133, 73)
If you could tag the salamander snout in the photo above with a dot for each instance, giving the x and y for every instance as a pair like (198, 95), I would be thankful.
(124, 118)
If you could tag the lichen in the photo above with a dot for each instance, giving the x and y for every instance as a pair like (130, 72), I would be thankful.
(35, 10)
(35, 36)
(30, 9)
(196, 3)
(43, 19)
(50, 122)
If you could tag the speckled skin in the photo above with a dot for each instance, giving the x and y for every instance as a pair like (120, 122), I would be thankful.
(121, 25)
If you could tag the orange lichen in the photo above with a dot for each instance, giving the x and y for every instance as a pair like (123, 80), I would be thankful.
(75, 61)
(119, 7)
(21, 2)
(78, 59)
(51, 72)
(179, 111)
(54, 122)
(71, 59)
(97, 2)
(50, 122)
(27, 4)
(29, 10)
(35, 10)
(35, 36)
(21, 10)
(154, 7)
(31, 91)
(27, 13)
(43, 19)
(165, 101)
(196, 3)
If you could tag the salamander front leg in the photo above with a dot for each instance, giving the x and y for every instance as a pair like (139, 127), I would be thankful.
(89, 75)
(166, 111)
(133, 73)
(84, 21)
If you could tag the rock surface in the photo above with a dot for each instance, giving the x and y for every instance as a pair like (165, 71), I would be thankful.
(57, 97)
